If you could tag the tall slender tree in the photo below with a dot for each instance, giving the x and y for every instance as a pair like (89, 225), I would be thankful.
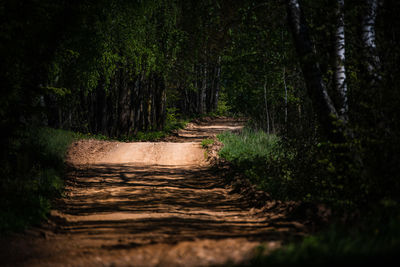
(369, 38)
(316, 87)
(340, 71)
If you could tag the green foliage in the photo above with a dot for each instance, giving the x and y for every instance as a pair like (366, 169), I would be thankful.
(297, 169)
(26, 191)
(374, 244)
(206, 142)
(247, 145)
(149, 136)
(223, 108)
(258, 63)
(173, 121)
(259, 156)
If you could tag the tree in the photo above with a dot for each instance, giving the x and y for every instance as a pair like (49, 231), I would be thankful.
(317, 90)
(340, 70)
(369, 39)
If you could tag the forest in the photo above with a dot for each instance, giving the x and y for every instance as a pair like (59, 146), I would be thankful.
(316, 82)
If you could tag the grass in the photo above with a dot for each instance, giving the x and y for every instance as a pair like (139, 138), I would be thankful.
(206, 142)
(258, 155)
(339, 246)
(372, 238)
(247, 145)
(32, 175)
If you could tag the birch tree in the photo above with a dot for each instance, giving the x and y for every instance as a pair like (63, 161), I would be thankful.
(368, 37)
(340, 71)
(316, 87)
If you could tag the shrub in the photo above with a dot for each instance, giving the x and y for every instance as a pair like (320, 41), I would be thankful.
(375, 243)
(206, 142)
(32, 176)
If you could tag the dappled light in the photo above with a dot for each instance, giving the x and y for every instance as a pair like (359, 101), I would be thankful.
(133, 196)
(199, 133)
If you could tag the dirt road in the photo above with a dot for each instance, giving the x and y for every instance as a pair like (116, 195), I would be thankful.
(149, 204)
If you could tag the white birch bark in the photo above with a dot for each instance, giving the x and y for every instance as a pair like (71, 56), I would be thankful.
(340, 72)
(368, 37)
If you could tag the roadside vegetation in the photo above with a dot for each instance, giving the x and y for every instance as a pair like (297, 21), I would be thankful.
(35, 171)
(375, 244)
(354, 233)
(27, 191)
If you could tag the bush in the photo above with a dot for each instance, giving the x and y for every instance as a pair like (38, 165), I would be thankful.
(32, 176)
(337, 246)
(300, 169)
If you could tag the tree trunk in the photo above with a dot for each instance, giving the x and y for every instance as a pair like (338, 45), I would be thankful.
(217, 84)
(266, 105)
(316, 88)
(368, 37)
(124, 104)
(203, 91)
(286, 95)
(340, 71)
(160, 103)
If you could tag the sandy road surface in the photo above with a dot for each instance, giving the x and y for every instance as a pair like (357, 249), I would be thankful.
(148, 204)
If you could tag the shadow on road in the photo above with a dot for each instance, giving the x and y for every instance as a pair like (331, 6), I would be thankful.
(137, 205)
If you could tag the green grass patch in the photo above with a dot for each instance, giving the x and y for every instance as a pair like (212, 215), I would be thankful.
(206, 142)
(247, 145)
(259, 156)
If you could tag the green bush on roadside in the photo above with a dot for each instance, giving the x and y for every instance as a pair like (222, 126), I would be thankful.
(311, 173)
(33, 176)
(339, 246)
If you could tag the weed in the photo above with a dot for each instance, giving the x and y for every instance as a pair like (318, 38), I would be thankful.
(206, 142)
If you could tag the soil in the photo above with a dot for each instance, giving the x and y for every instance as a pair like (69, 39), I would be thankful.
(151, 204)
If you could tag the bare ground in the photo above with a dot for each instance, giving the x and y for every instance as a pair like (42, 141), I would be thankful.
(150, 204)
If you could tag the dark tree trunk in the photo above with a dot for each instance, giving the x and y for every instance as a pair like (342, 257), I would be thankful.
(160, 103)
(124, 104)
(316, 88)
(217, 85)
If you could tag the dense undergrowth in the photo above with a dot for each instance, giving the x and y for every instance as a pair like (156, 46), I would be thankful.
(360, 231)
(376, 245)
(32, 177)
